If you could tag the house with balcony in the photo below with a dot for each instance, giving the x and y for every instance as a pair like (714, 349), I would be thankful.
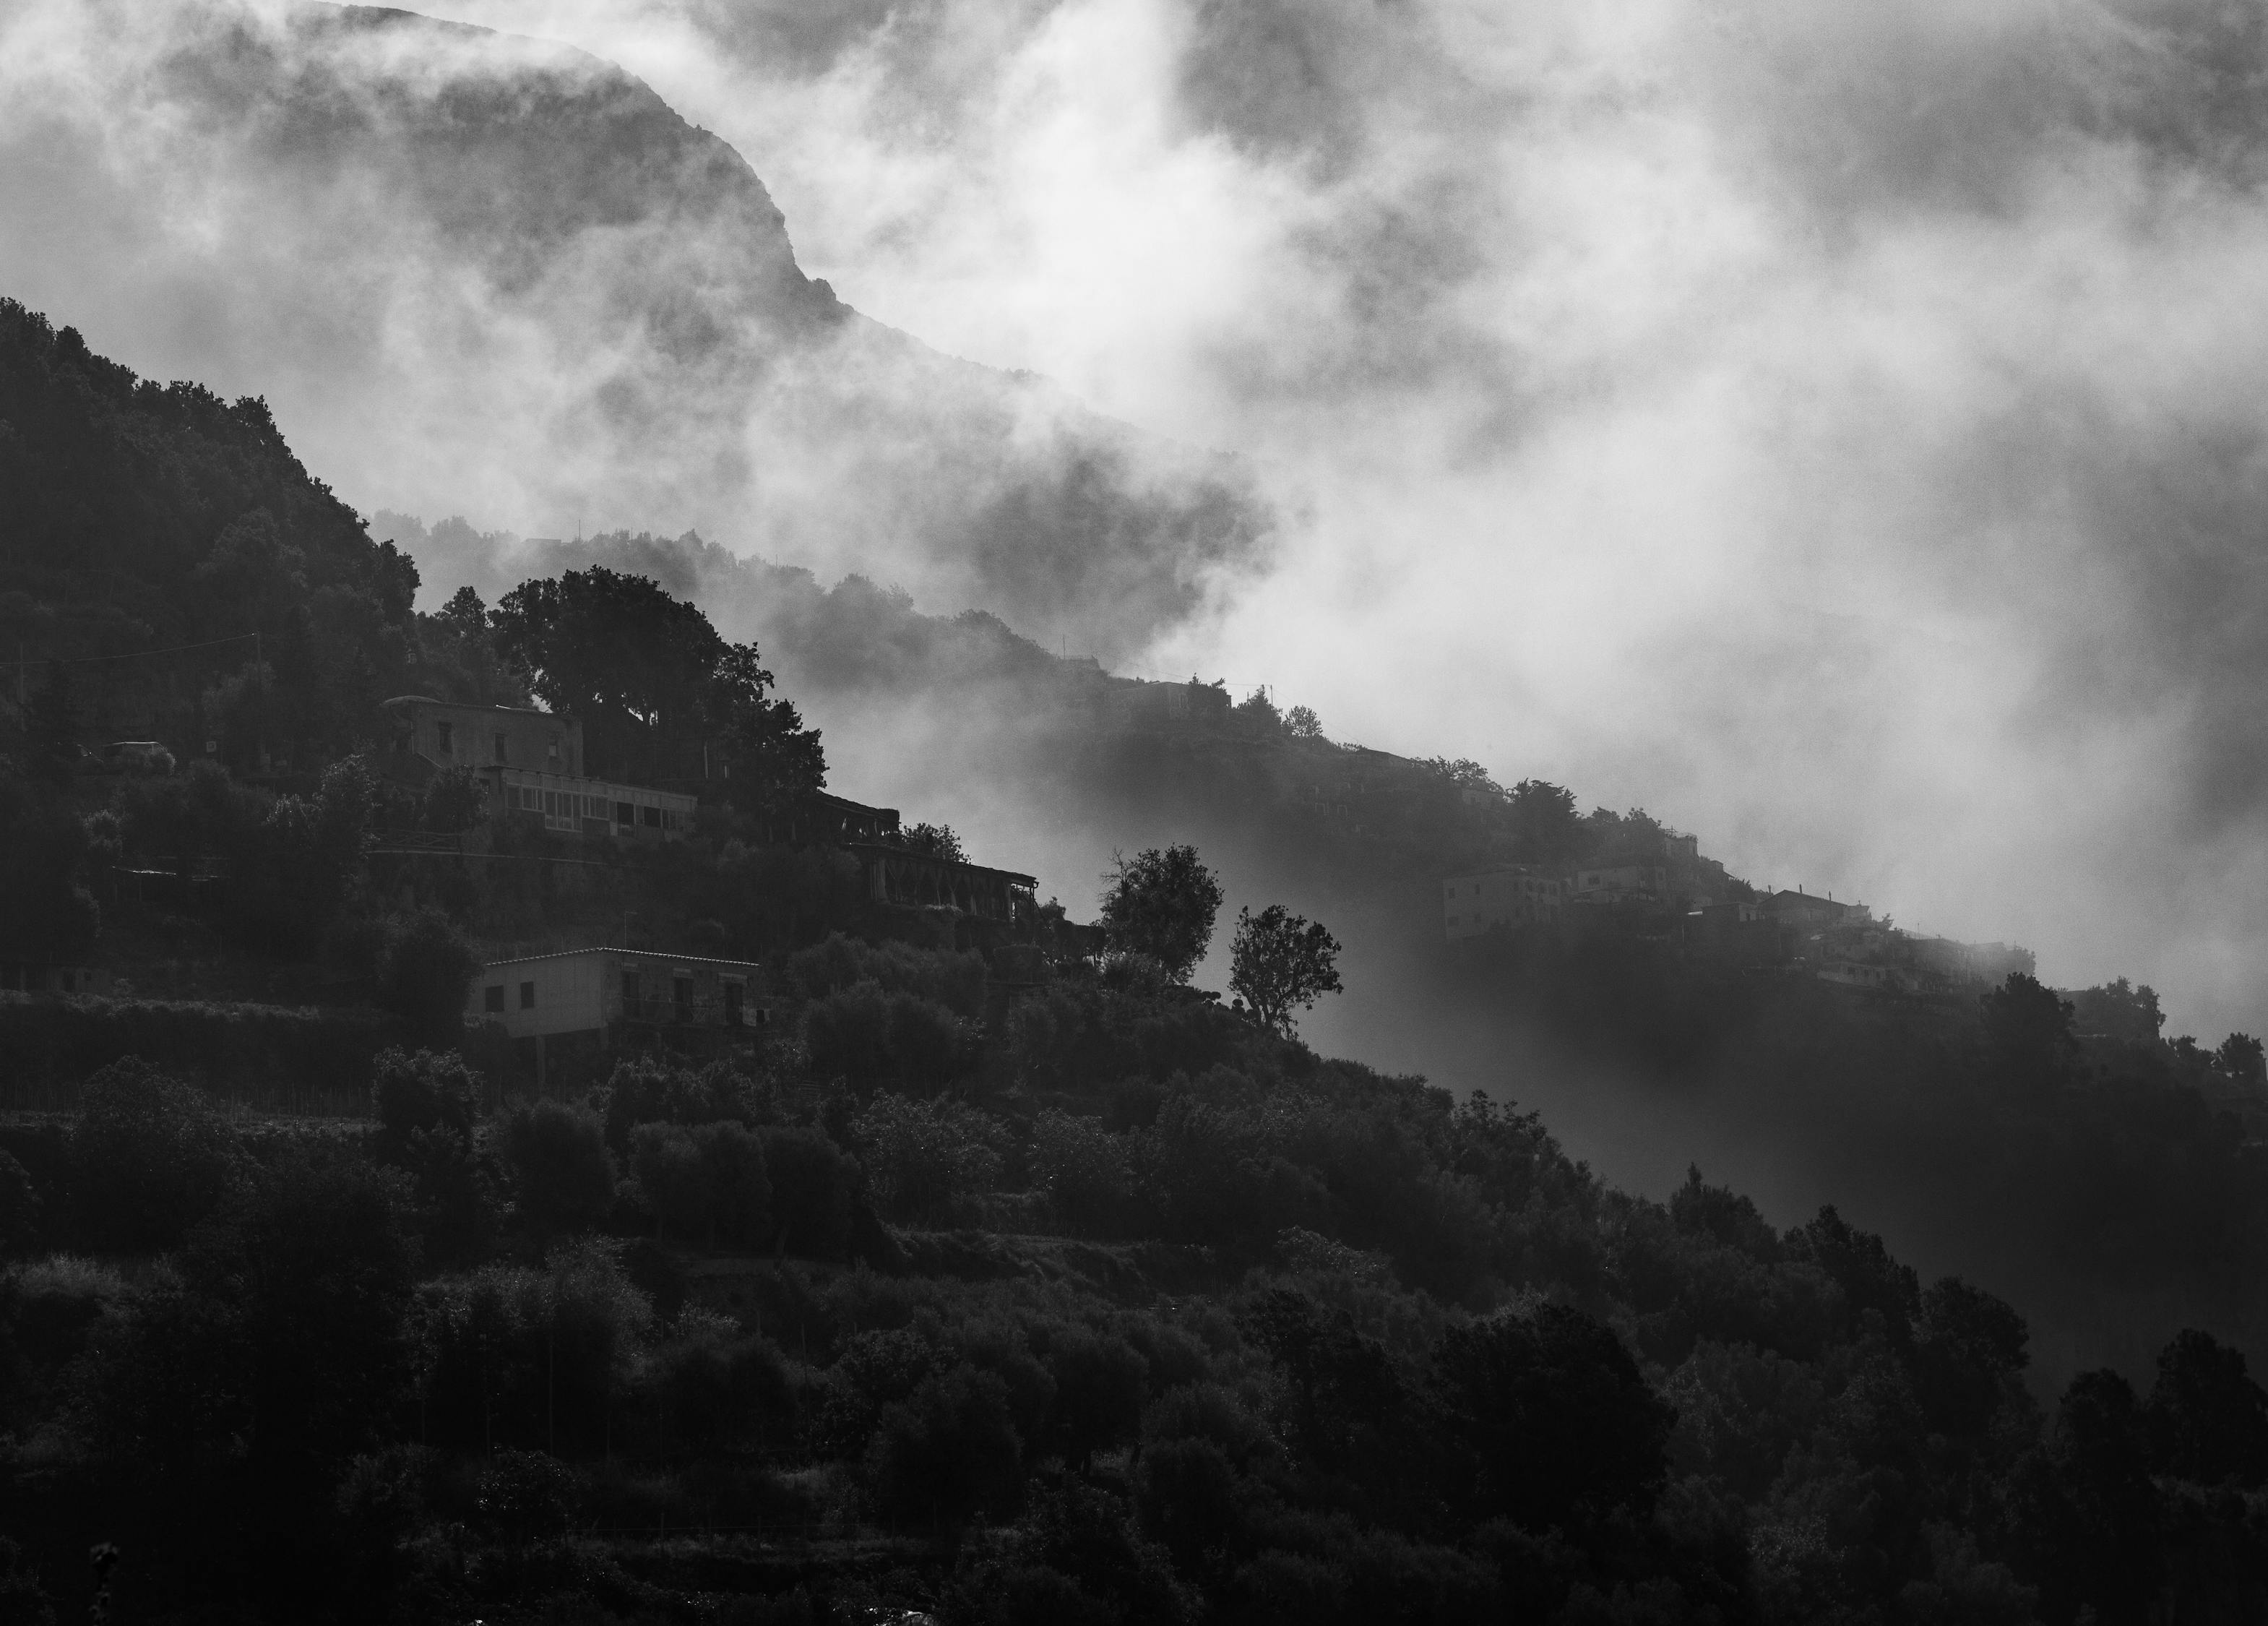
(531, 765)
(578, 1001)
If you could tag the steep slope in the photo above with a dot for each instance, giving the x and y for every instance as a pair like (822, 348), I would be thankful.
(476, 267)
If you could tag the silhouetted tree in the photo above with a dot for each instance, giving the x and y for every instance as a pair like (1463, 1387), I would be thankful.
(1545, 827)
(2241, 1060)
(934, 841)
(1552, 1417)
(1161, 904)
(1281, 962)
(2207, 1420)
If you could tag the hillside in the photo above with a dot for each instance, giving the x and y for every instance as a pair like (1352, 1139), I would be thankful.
(565, 297)
(997, 1275)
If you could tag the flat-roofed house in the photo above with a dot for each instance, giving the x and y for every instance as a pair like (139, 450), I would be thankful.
(1517, 895)
(606, 999)
(530, 765)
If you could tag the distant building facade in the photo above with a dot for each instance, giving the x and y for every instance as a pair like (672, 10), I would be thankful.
(1517, 895)
(530, 765)
(450, 736)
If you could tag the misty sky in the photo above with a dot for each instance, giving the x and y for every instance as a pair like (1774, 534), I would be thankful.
(1837, 429)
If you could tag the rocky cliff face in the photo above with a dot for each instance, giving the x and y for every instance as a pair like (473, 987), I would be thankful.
(482, 273)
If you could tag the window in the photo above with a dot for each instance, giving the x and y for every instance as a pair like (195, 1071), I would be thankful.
(680, 993)
(448, 733)
(651, 818)
(527, 996)
(551, 803)
(500, 754)
(735, 995)
(551, 754)
(493, 1000)
(625, 813)
(629, 992)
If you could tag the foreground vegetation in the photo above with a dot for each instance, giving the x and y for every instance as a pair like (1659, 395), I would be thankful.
(1136, 1310)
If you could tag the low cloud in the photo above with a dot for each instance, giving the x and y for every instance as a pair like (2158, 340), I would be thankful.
(1836, 429)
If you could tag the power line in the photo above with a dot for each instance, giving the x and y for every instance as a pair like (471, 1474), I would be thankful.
(134, 654)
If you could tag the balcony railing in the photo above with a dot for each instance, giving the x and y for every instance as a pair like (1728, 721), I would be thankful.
(701, 1011)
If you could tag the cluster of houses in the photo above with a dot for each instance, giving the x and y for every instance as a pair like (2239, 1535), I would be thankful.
(1689, 903)
(530, 767)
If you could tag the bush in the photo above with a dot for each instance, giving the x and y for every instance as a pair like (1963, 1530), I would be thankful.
(562, 1172)
(813, 1184)
(924, 1158)
(949, 1452)
(424, 973)
(649, 1091)
(706, 1184)
(882, 1040)
(511, 1356)
(1082, 1168)
(1101, 1384)
(151, 1157)
(426, 1090)
(20, 1208)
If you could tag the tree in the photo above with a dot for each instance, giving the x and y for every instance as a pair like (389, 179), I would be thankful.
(51, 729)
(153, 1157)
(771, 760)
(428, 965)
(1258, 713)
(1545, 825)
(1281, 961)
(2241, 1060)
(1161, 904)
(1556, 1418)
(562, 1171)
(2027, 1032)
(616, 650)
(425, 1092)
(706, 1184)
(1302, 723)
(46, 915)
(454, 799)
(2207, 1420)
(936, 841)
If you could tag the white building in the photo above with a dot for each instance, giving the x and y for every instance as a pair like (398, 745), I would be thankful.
(594, 990)
(1520, 895)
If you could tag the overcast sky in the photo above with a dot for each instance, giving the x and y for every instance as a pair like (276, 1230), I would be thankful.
(1836, 429)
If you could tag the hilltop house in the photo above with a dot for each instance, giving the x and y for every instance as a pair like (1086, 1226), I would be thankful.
(529, 762)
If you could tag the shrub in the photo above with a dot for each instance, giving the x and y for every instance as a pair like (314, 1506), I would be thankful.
(151, 1157)
(422, 975)
(563, 1174)
(813, 1183)
(1101, 1384)
(650, 1090)
(511, 1356)
(878, 1039)
(923, 1158)
(1080, 1165)
(704, 1184)
(949, 1452)
(426, 1091)
(20, 1208)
